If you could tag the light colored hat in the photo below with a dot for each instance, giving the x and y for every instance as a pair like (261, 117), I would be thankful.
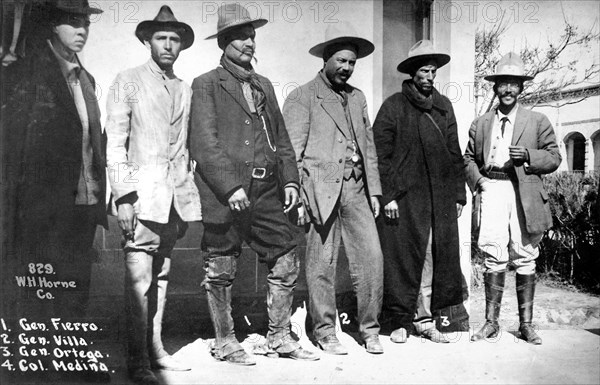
(509, 65)
(234, 15)
(78, 7)
(164, 19)
(422, 51)
(343, 32)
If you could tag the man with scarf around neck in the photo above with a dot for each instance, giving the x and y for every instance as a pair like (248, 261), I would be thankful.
(248, 182)
(329, 128)
(509, 149)
(152, 184)
(423, 184)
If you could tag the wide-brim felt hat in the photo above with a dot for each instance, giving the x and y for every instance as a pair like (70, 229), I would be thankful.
(166, 19)
(77, 7)
(509, 65)
(234, 15)
(339, 33)
(422, 52)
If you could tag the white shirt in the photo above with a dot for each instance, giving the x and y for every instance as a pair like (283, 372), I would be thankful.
(499, 153)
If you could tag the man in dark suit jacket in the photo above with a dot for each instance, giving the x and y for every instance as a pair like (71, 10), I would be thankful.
(54, 151)
(509, 149)
(248, 181)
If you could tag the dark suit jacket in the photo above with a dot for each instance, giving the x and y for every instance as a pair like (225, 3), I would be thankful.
(534, 131)
(318, 129)
(42, 136)
(222, 141)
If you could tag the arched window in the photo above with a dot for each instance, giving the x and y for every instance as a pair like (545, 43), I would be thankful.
(575, 151)
(596, 147)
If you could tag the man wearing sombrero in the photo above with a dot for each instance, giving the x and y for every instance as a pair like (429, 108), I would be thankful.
(248, 182)
(509, 149)
(152, 183)
(330, 130)
(423, 187)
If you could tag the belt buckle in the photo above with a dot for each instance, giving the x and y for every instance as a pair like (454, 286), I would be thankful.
(259, 172)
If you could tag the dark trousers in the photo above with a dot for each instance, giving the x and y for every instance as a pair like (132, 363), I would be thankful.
(266, 229)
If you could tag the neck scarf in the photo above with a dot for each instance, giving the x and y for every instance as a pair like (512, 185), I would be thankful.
(419, 100)
(247, 75)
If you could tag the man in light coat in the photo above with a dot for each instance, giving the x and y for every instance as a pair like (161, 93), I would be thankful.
(509, 149)
(329, 128)
(152, 183)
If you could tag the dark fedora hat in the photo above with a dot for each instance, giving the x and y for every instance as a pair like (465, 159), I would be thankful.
(343, 32)
(234, 15)
(78, 7)
(165, 19)
(422, 51)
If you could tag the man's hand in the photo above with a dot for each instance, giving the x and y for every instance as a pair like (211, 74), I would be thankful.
(518, 154)
(238, 201)
(291, 199)
(459, 208)
(126, 219)
(483, 183)
(391, 210)
(375, 206)
(303, 217)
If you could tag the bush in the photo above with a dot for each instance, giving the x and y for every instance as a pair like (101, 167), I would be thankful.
(570, 251)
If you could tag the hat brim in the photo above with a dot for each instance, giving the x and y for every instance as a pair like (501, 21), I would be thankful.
(365, 47)
(256, 23)
(408, 65)
(77, 10)
(493, 78)
(187, 37)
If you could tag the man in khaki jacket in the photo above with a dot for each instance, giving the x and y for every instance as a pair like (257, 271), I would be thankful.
(509, 149)
(152, 183)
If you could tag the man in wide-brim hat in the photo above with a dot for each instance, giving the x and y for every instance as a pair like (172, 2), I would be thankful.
(55, 199)
(329, 128)
(509, 149)
(248, 183)
(420, 164)
(147, 137)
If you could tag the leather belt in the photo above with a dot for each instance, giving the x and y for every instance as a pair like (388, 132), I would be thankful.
(498, 175)
(262, 172)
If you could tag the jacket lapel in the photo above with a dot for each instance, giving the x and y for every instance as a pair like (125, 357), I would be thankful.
(233, 88)
(57, 83)
(356, 115)
(519, 126)
(331, 105)
(488, 125)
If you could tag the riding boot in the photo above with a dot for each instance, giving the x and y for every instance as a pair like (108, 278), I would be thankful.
(494, 288)
(525, 293)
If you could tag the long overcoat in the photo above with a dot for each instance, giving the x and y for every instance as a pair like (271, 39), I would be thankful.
(421, 168)
(222, 141)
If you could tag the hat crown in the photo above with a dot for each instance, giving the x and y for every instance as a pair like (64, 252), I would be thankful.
(232, 14)
(165, 15)
(422, 47)
(341, 29)
(510, 64)
(75, 6)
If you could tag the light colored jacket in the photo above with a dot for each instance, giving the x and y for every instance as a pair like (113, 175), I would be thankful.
(533, 131)
(317, 127)
(143, 154)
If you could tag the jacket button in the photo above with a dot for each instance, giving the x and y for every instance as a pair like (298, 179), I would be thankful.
(494, 147)
(340, 161)
(247, 121)
(340, 140)
(337, 181)
(247, 143)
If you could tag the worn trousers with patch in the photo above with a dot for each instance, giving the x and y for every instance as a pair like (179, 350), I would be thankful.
(353, 223)
(503, 235)
(268, 232)
(423, 317)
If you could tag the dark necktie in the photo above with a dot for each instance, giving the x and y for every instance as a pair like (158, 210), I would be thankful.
(503, 120)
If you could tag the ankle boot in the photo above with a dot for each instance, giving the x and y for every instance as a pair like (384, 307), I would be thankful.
(525, 293)
(494, 288)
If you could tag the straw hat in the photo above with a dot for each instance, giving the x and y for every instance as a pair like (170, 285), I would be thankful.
(509, 65)
(343, 32)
